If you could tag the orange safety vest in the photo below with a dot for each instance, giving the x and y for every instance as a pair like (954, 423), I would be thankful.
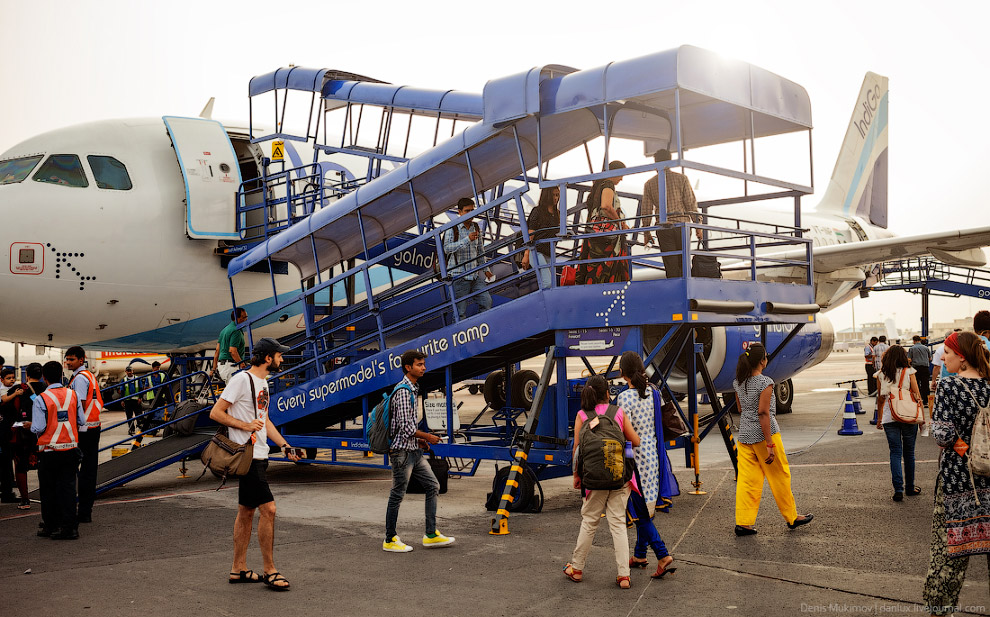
(93, 404)
(61, 432)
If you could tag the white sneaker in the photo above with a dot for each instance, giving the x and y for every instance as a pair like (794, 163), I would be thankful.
(437, 541)
(396, 546)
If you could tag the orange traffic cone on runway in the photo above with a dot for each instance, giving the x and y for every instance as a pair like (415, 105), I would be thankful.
(849, 425)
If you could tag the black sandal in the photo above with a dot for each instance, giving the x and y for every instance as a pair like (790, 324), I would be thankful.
(913, 491)
(244, 576)
(275, 577)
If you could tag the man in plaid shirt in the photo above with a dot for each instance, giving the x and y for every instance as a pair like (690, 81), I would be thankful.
(406, 457)
(464, 251)
(682, 207)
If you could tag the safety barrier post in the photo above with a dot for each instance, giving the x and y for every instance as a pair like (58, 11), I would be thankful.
(500, 524)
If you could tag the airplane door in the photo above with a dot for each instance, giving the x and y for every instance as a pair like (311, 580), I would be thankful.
(211, 175)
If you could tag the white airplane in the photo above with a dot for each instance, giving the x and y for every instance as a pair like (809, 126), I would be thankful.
(123, 219)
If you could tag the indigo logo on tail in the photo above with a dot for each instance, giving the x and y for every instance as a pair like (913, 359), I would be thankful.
(869, 106)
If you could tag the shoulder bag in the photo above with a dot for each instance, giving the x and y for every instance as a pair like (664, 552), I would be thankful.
(906, 409)
(225, 457)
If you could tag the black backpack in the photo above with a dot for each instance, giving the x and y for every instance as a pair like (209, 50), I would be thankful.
(602, 453)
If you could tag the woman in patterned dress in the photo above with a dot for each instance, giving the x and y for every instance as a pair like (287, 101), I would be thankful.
(761, 451)
(604, 215)
(638, 404)
(961, 520)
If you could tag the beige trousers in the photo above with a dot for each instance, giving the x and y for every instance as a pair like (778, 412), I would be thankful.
(613, 504)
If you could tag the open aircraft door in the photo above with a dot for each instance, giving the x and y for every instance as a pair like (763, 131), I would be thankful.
(211, 175)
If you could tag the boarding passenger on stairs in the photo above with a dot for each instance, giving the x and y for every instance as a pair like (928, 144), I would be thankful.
(243, 409)
(682, 207)
(543, 224)
(88, 391)
(57, 416)
(406, 457)
(464, 250)
(604, 216)
(229, 355)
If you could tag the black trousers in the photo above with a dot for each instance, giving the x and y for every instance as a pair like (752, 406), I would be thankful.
(670, 240)
(132, 407)
(6, 468)
(57, 484)
(89, 444)
(871, 382)
(924, 377)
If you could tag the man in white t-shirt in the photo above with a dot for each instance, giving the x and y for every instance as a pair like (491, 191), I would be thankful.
(243, 409)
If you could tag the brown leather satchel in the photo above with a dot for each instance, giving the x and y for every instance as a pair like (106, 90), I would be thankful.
(673, 426)
(226, 458)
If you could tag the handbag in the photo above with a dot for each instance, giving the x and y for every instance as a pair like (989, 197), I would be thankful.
(567, 276)
(673, 426)
(705, 266)
(905, 409)
(225, 457)
(441, 470)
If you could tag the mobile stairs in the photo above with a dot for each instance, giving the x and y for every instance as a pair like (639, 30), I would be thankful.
(375, 281)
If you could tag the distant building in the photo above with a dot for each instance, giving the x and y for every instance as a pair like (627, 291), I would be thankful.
(861, 334)
(940, 330)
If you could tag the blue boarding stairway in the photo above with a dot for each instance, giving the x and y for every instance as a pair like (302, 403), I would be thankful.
(362, 304)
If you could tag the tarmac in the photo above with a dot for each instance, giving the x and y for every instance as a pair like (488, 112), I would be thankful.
(161, 545)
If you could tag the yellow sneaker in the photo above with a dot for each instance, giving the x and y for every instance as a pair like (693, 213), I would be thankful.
(395, 546)
(437, 541)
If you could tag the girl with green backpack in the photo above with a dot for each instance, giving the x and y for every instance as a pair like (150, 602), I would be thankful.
(600, 469)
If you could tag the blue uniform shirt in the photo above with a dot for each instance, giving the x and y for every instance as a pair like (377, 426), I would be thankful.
(81, 387)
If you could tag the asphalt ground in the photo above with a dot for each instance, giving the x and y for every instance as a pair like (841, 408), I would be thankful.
(161, 545)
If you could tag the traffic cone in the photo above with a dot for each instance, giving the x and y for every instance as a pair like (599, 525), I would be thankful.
(849, 426)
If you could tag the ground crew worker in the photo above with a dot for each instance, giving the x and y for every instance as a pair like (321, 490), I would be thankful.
(57, 417)
(229, 355)
(83, 383)
(132, 405)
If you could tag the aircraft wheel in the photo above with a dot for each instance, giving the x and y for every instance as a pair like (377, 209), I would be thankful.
(494, 390)
(473, 389)
(524, 385)
(523, 494)
(784, 392)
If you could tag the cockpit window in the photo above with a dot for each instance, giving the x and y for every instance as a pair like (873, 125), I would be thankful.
(109, 173)
(64, 169)
(15, 170)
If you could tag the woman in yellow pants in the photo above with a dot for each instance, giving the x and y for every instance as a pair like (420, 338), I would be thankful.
(761, 452)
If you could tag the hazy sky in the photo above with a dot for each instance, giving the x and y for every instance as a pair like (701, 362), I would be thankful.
(71, 62)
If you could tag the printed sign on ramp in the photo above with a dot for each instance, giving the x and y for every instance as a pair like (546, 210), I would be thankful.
(278, 150)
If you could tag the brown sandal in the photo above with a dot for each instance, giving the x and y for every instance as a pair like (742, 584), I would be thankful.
(575, 574)
(635, 563)
(623, 579)
(664, 570)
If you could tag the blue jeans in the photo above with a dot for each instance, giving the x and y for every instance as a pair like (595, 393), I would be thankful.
(544, 272)
(901, 438)
(405, 464)
(463, 287)
(646, 531)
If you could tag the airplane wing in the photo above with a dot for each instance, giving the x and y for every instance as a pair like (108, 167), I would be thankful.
(960, 248)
